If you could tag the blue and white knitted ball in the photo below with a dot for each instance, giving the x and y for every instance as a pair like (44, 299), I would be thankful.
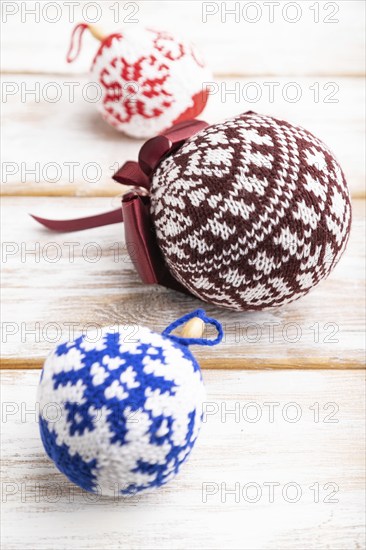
(128, 407)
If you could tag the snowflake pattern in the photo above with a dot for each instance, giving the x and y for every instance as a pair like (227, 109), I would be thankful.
(129, 412)
(149, 80)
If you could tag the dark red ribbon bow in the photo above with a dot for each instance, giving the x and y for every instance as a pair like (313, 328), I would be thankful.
(135, 212)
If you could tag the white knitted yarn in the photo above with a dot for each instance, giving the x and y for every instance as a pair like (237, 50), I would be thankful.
(251, 213)
(166, 68)
(129, 412)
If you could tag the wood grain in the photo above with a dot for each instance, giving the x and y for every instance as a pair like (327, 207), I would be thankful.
(45, 301)
(330, 43)
(65, 148)
(42, 510)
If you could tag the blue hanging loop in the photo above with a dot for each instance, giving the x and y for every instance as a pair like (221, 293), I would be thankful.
(201, 314)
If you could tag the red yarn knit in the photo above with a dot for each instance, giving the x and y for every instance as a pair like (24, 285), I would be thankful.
(149, 80)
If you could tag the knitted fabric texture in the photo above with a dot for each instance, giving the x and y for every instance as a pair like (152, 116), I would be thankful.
(128, 408)
(149, 80)
(251, 213)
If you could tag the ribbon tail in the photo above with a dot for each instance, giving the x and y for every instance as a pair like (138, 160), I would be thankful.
(79, 224)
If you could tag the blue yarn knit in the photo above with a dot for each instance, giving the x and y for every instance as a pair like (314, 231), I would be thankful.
(129, 412)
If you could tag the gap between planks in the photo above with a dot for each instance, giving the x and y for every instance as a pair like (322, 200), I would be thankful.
(308, 363)
(110, 293)
(79, 123)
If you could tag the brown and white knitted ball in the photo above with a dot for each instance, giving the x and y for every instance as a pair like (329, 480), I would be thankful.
(251, 213)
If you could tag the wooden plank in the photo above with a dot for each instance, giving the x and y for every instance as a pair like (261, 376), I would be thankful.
(301, 38)
(93, 281)
(65, 148)
(231, 452)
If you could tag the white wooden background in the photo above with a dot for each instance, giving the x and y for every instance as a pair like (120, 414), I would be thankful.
(230, 452)
(325, 365)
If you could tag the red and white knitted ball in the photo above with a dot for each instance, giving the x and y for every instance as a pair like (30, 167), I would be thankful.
(251, 213)
(149, 79)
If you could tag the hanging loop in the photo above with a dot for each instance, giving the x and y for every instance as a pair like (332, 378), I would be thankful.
(201, 314)
(77, 34)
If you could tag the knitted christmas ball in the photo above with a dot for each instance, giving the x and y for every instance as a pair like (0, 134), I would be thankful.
(251, 213)
(128, 407)
(149, 80)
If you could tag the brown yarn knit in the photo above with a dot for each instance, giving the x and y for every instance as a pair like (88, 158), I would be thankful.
(251, 213)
